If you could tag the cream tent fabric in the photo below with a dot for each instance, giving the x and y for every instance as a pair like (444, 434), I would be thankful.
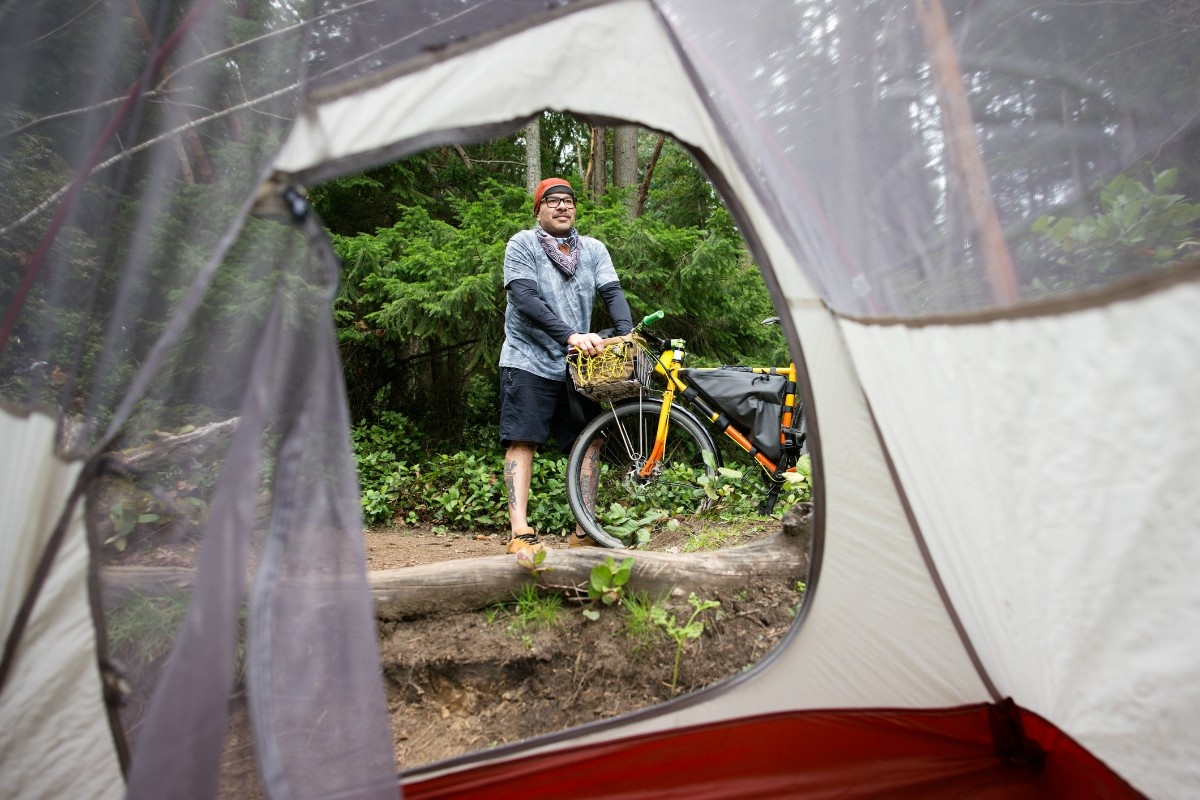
(1064, 549)
(54, 735)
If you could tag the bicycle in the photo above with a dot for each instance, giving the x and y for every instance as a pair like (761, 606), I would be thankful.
(651, 452)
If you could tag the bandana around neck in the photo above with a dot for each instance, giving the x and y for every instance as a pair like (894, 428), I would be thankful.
(566, 262)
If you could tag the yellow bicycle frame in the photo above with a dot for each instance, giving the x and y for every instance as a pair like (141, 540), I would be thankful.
(668, 365)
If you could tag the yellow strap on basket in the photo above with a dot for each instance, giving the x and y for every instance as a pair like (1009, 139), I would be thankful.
(608, 375)
(613, 363)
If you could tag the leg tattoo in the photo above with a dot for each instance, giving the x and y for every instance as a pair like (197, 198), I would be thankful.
(590, 478)
(510, 471)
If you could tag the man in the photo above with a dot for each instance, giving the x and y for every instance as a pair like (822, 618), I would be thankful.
(552, 275)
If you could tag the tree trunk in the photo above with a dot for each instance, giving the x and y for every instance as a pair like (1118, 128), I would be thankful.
(191, 137)
(962, 143)
(598, 169)
(625, 161)
(533, 155)
(640, 204)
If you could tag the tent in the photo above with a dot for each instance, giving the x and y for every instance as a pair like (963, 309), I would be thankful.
(1000, 373)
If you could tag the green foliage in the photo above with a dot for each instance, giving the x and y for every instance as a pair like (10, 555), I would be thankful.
(799, 483)
(421, 309)
(124, 519)
(1137, 226)
(382, 452)
(633, 526)
(680, 195)
(436, 180)
(608, 579)
(141, 630)
(692, 629)
(421, 306)
(462, 490)
(530, 610)
(735, 496)
(169, 503)
(400, 479)
(137, 233)
(723, 484)
(548, 494)
(640, 627)
(533, 560)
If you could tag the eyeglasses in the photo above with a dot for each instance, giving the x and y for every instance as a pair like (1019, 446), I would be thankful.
(557, 200)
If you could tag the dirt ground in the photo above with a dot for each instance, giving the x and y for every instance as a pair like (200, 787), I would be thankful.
(466, 682)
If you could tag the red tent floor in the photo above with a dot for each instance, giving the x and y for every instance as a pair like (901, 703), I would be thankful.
(983, 751)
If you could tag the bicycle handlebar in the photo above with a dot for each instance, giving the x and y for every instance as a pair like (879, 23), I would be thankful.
(649, 319)
(653, 318)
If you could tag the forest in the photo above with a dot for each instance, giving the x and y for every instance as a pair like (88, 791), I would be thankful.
(419, 304)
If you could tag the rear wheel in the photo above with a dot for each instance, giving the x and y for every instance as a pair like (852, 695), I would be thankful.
(609, 455)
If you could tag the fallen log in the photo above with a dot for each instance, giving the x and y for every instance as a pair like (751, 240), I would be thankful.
(167, 449)
(119, 583)
(471, 584)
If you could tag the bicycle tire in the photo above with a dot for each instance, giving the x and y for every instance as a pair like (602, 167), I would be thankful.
(627, 433)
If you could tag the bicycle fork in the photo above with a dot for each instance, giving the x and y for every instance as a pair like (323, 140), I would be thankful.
(668, 366)
(660, 436)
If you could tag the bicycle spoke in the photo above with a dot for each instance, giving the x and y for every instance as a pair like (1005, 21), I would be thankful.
(627, 505)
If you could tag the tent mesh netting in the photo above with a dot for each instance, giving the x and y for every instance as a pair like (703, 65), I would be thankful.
(175, 318)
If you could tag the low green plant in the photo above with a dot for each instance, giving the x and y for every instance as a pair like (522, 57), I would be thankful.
(608, 579)
(692, 629)
(629, 525)
(532, 561)
(382, 452)
(459, 490)
(723, 484)
(464, 490)
(799, 483)
(124, 519)
(530, 610)
(142, 628)
(640, 627)
(163, 502)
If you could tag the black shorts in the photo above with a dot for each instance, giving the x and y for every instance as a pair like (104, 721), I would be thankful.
(532, 408)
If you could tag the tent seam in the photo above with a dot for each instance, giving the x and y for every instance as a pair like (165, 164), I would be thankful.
(927, 557)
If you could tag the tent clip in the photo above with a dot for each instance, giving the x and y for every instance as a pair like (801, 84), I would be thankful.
(1009, 742)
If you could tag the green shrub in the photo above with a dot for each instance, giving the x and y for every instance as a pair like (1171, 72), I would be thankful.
(1136, 226)
(400, 480)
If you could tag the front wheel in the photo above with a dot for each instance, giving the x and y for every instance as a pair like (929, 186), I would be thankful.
(611, 499)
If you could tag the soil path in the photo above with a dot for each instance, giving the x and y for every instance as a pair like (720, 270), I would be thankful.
(467, 682)
(463, 683)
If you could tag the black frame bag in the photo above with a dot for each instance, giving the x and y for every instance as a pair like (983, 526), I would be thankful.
(752, 400)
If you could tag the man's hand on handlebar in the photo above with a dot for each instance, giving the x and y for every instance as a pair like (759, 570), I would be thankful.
(588, 343)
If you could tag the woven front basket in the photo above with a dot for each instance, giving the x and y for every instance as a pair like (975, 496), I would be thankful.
(618, 371)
